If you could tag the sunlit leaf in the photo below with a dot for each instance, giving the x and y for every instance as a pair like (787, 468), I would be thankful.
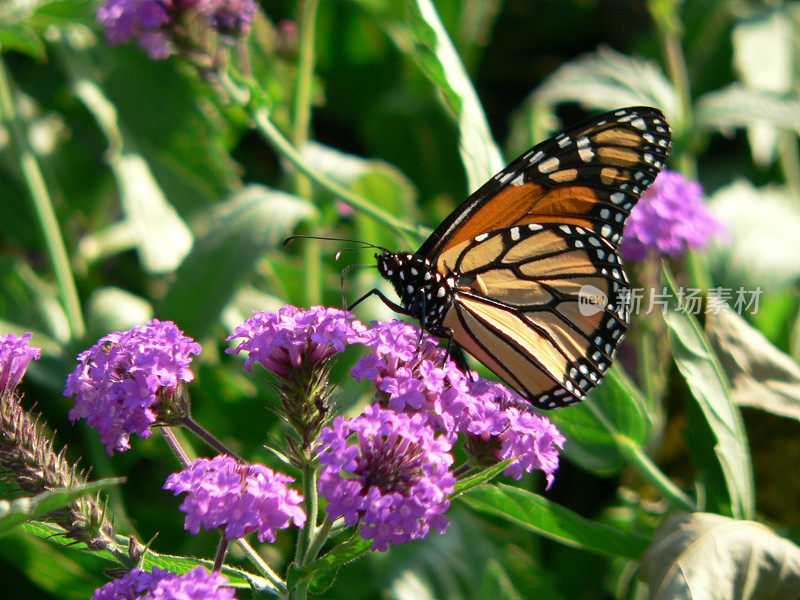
(760, 246)
(115, 309)
(615, 413)
(479, 152)
(434, 52)
(176, 564)
(57, 571)
(234, 238)
(698, 556)
(761, 376)
(16, 512)
(735, 106)
(762, 54)
(700, 367)
(22, 38)
(606, 80)
(536, 513)
(484, 476)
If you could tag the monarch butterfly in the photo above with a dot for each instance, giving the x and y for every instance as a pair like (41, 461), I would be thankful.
(524, 275)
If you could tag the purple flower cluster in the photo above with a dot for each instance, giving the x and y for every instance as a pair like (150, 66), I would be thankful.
(404, 366)
(388, 470)
(156, 23)
(498, 427)
(496, 421)
(160, 584)
(290, 339)
(241, 498)
(15, 354)
(121, 381)
(229, 17)
(146, 20)
(670, 218)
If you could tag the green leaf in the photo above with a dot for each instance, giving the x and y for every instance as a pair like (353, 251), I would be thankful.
(700, 367)
(761, 376)
(434, 52)
(115, 309)
(21, 510)
(348, 551)
(176, 564)
(484, 476)
(772, 222)
(614, 415)
(235, 237)
(697, 556)
(59, 571)
(737, 106)
(607, 79)
(166, 136)
(535, 513)
(762, 54)
(24, 39)
(162, 238)
(151, 224)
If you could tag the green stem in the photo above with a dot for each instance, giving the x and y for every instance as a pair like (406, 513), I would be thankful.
(320, 536)
(669, 27)
(637, 458)
(263, 567)
(311, 503)
(43, 206)
(790, 160)
(222, 550)
(312, 255)
(175, 446)
(648, 366)
(284, 147)
(698, 270)
(208, 437)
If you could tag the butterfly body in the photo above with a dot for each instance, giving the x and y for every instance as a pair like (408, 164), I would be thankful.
(525, 274)
(424, 292)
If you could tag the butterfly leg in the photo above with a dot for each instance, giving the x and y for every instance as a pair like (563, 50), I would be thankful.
(455, 352)
(376, 292)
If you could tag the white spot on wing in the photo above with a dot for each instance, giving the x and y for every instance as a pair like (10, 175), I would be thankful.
(586, 154)
(534, 158)
(550, 165)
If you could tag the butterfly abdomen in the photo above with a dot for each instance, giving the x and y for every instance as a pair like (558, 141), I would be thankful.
(423, 291)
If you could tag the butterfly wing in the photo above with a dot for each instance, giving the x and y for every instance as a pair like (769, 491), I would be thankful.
(541, 305)
(590, 175)
(541, 296)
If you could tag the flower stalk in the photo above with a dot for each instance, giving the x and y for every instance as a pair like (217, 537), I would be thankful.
(29, 460)
(42, 204)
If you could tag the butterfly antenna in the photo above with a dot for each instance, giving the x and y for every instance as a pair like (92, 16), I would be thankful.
(342, 275)
(334, 239)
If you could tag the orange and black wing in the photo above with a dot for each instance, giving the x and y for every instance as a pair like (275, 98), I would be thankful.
(590, 175)
(543, 306)
(541, 296)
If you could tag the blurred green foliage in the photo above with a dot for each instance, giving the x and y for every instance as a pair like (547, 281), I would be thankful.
(172, 205)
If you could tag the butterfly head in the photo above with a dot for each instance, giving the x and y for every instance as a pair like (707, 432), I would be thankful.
(423, 291)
